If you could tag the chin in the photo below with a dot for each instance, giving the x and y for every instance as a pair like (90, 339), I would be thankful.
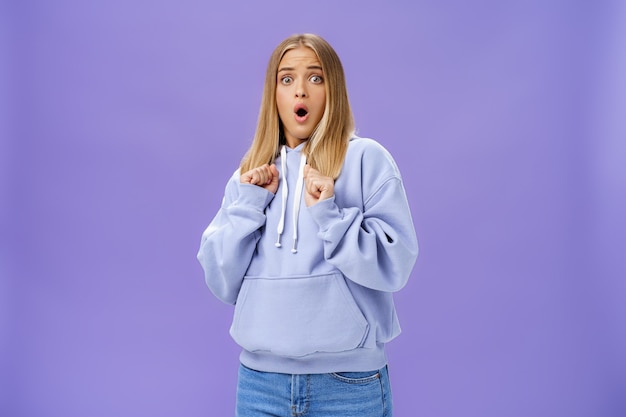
(303, 136)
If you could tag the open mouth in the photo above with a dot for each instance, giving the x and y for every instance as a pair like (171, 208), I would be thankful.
(300, 112)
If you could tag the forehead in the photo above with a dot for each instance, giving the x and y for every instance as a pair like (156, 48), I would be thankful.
(299, 56)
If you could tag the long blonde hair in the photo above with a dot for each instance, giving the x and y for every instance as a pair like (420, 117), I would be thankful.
(327, 146)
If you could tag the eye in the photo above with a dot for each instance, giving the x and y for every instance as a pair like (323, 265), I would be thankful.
(286, 80)
(316, 79)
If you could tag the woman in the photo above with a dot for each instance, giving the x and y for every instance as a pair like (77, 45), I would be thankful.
(313, 236)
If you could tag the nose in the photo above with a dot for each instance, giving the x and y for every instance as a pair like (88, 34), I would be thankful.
(301, 90)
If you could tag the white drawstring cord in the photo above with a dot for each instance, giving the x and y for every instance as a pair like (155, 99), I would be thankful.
(296, 202)
(283, 180)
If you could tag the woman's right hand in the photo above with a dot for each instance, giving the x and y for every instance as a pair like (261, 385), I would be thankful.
(265, 176)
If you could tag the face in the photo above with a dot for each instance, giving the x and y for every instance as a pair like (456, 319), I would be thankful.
(300, 94)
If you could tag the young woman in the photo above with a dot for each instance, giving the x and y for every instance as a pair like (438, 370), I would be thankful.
(313, 236)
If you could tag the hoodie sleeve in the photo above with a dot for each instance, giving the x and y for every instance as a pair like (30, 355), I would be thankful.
(375, 246)
(228, 243)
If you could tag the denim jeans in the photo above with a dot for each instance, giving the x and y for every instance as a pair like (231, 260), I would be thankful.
(344, 394)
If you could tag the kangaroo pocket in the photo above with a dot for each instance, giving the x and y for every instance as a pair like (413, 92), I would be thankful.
(298, 316)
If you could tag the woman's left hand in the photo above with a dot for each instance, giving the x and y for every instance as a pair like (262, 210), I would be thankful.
(317, 187)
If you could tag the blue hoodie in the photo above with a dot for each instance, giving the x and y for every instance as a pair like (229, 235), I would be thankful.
(312, 286)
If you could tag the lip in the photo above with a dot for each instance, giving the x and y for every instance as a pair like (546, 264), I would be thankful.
(296, 108)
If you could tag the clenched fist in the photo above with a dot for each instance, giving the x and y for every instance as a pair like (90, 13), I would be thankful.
(317, 187)
(265, 176)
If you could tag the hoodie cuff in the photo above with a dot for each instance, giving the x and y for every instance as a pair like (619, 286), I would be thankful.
(254, 196)
(325, 213)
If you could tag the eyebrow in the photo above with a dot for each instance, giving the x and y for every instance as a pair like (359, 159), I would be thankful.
(315, 67)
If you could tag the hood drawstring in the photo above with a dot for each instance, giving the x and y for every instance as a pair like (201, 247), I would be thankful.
(296, 202)
(281, 223)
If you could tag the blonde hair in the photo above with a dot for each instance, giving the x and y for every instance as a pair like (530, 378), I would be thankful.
(328, 144)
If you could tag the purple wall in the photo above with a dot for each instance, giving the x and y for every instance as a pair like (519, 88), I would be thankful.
(124, 120)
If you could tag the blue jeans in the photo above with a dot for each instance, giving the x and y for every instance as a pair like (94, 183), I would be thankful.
(344, 394)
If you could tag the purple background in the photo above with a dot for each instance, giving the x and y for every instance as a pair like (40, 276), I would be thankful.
(122, 120)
